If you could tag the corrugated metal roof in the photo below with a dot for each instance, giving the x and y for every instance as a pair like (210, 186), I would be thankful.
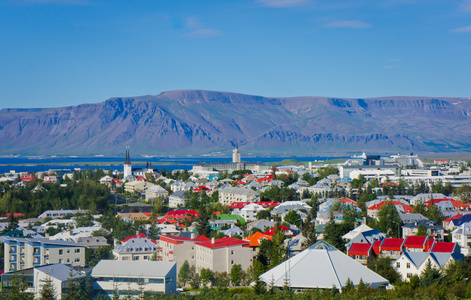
(320, 266)
(132, 268)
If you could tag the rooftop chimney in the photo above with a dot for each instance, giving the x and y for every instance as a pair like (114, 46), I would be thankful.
(212, 240)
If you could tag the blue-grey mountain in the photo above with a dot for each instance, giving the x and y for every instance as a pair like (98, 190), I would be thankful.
(199, 122)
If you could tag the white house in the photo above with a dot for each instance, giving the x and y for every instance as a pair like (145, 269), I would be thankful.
(414, 263)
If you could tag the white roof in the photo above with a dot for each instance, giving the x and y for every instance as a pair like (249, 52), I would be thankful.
(352, 234)
(132, 268)
(320, 266)
(60, 271)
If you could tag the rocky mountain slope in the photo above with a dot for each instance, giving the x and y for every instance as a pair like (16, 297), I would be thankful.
(199, 122)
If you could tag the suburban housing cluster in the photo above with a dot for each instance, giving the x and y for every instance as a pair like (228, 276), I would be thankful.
(141, 261)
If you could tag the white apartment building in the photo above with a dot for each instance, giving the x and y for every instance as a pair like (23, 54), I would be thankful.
(23, 253)
(230, 195)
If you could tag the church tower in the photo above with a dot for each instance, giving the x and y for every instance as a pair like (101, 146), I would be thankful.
(127, 165)
(236, 155)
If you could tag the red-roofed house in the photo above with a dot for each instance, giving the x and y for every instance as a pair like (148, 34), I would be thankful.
(415, 243)
(138, 236)
(286, 231)
(400, 207)
(443, 247)
(348, 201)
(15, 215)
(376, 247)
(239, 182)
(201, 188)
(140, 178)
(28, 178)
(361, 252)
(448, 204)
(117, 182)
(392, 247)
(448, 225)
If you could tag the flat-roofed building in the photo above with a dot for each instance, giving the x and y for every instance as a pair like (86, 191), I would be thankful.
(23, 253)
(124, 276)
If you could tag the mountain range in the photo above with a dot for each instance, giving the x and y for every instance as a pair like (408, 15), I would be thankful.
(202, 122)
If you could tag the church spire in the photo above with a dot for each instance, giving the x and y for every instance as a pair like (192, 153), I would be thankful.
(127, 161)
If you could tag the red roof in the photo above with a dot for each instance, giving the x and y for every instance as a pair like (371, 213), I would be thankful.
(224, 242)
(417, 242)
(407, 208)
(348, 201)
(238, 182)
(139, 236)
(376, 247)
(180, 239)
(392, 245)
(360, 249)
(15, 215)
(116, 180)
(455, 203)
(388, 183)
(181, 213)
(457, 216)
(429, 245)
(272, 230)
(28, 178)
(444, 247)
(201, 188)
(140, 178)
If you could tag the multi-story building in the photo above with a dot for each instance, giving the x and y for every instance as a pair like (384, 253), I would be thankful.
(125, 276)
(219, 255)
(229, 195)
(23, 253)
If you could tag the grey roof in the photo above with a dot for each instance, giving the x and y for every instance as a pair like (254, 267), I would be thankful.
(260, 224)
(418, 258)
(133, 268)
(42, 240)
(320, 266)
(233, 230)
(239, 191)
(139, 245)
(60, 271)
(179, 194)
(411, 217)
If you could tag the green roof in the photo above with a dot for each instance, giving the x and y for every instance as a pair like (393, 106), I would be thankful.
(231, 217)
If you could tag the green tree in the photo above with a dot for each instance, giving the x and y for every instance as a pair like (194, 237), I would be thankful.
(434, 213)
(202, 226)
(236, 274)
(207, 276)
(333, 234)
(463, 193)
(421, 231)
(293, 217)
(430, 275)
(263, 215)
(184, 273)
(48, 291)
(382, 266)
(389, 221)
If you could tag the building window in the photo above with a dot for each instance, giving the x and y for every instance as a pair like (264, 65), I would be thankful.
(77, 260)
(398, 265)
(61, 252)
(77, 250)
(409, 275)
(408, 265)
(232, 262)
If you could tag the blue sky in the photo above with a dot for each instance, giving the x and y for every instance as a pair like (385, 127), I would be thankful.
(68, 52)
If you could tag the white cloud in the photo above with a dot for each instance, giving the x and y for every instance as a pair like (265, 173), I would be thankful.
(348, 24)
(465, 5)
(464, 29)
(283, 3)
(197, 30)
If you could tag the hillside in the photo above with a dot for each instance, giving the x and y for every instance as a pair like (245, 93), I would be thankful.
(199, 122)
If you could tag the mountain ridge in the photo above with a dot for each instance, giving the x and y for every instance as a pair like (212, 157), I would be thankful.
(201, 122)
